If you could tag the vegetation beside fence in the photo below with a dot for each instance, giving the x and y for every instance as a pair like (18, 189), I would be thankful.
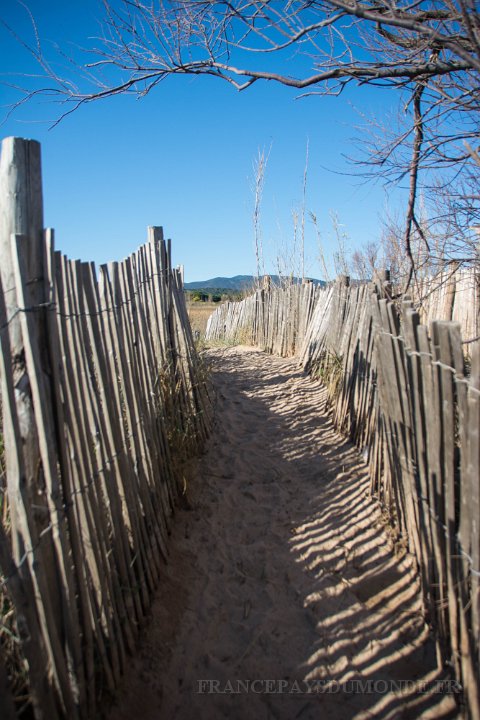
(402, 393)
(104, 399)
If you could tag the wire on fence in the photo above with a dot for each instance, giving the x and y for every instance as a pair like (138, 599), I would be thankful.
(417, 353)
(52, 304)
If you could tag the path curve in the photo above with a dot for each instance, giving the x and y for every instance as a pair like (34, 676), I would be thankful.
(281, 570)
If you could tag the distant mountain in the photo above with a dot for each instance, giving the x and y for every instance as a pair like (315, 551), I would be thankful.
(239, 282)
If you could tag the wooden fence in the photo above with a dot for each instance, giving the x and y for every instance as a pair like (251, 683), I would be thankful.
(274, 319)
(453, 294)
(103, 398)
(277, 319)
(402, 393)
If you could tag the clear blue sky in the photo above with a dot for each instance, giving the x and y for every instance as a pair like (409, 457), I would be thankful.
(182, 158)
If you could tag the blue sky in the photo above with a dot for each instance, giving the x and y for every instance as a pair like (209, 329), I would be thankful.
(183, 158)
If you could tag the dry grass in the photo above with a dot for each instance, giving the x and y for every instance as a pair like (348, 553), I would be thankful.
(10, 647)
(199, 312)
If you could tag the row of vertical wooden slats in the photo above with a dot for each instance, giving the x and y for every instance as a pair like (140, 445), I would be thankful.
(124, 398)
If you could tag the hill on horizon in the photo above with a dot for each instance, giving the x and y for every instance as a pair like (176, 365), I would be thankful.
(237, 282)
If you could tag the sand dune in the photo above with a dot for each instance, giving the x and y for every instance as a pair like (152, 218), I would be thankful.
(282, 574)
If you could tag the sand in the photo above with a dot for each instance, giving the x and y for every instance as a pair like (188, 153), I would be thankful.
(283, 595)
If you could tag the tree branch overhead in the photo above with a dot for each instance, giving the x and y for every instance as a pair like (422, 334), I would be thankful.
(430, 45)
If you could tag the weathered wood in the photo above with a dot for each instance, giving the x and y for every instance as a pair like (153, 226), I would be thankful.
(134, 432)
(411, 322)
(31, 635)
(42, 403)
(21, 581)
(473, 490)
(453, 294)
(89, 472)
(433, 467)
(153, 501)
(21, 212)
(115, 457)
(441, 331)
(102, 490)
(66, 473)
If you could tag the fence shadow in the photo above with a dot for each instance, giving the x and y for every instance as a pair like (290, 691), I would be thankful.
(288, 570)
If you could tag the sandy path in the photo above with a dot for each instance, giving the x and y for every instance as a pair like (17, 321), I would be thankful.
(281, 570)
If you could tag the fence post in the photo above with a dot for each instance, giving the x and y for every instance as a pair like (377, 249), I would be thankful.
(383, 283)
(21, 212)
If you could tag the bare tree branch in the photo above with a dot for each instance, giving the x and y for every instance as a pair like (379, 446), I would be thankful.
(426, 50)
(414, 166)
